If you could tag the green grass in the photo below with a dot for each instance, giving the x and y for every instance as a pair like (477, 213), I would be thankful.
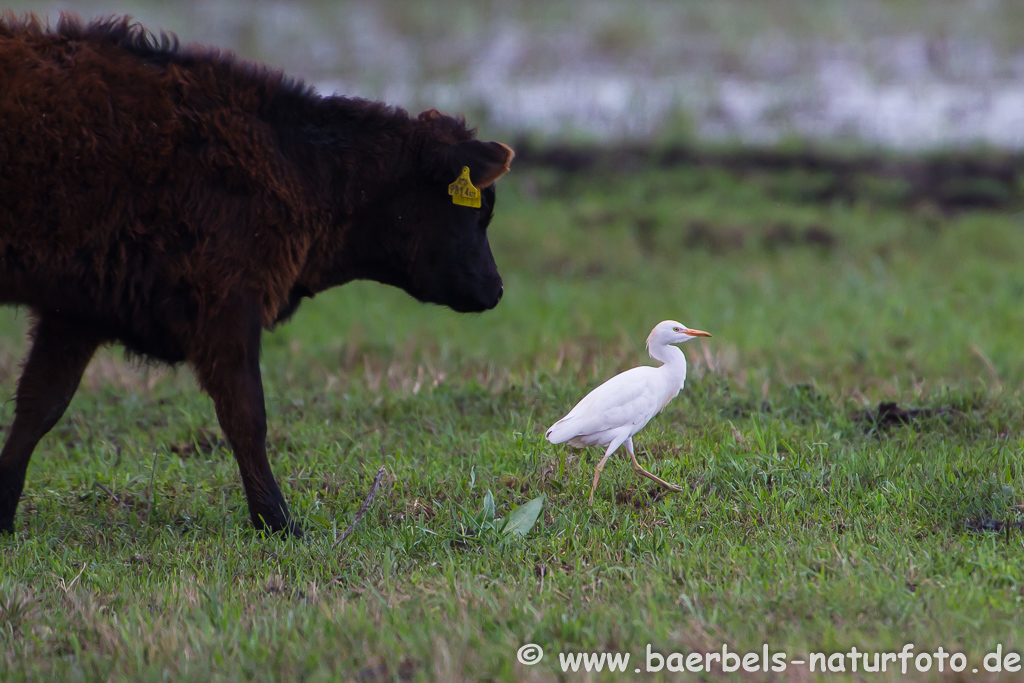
(800, 527)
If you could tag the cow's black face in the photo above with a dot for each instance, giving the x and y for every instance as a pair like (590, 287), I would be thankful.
(413, 235)
(447, 255)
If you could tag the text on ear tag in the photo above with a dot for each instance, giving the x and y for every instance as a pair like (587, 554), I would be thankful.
(462, 191)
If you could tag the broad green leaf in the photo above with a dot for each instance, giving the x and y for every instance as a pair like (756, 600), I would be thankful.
(488, 508)
(522, 519)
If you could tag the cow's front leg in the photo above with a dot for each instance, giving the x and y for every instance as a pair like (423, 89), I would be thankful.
(228, 367)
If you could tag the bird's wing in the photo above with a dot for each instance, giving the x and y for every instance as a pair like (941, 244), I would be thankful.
(628, 399)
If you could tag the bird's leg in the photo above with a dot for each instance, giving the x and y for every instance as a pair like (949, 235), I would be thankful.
(600, 466)
(644, 473)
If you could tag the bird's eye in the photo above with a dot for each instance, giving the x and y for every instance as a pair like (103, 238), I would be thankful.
(677, 329)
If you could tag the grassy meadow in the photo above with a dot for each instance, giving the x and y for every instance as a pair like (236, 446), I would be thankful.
(807, 523)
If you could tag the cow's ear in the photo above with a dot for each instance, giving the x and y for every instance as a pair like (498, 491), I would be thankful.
(487, 161)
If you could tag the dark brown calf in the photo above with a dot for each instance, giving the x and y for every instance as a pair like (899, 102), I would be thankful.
(180, 201)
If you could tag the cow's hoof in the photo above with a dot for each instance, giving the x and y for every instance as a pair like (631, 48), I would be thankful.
(277, 524)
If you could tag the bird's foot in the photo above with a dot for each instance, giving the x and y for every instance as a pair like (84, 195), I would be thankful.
(644, 473)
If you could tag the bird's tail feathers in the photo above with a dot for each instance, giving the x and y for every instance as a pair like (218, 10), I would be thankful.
(560, 431)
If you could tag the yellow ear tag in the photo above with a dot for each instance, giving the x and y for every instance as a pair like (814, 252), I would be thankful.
(462, 191)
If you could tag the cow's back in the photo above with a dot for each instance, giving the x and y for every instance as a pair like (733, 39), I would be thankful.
(130, 183)
(79, 121)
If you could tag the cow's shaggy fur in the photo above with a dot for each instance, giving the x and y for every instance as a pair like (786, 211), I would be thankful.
(179, 201)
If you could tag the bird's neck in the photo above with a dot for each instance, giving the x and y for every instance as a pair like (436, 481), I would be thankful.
(673, 359)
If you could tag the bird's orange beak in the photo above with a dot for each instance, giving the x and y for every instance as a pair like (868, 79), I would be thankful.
(696, 333)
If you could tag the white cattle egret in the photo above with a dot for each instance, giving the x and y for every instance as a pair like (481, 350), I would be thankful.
(613, 412)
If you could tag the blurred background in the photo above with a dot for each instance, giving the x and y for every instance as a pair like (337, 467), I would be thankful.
(832, 187)
(889, 72)
(893, 73)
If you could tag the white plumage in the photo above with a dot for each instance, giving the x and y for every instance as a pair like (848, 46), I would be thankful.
(612, 413)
